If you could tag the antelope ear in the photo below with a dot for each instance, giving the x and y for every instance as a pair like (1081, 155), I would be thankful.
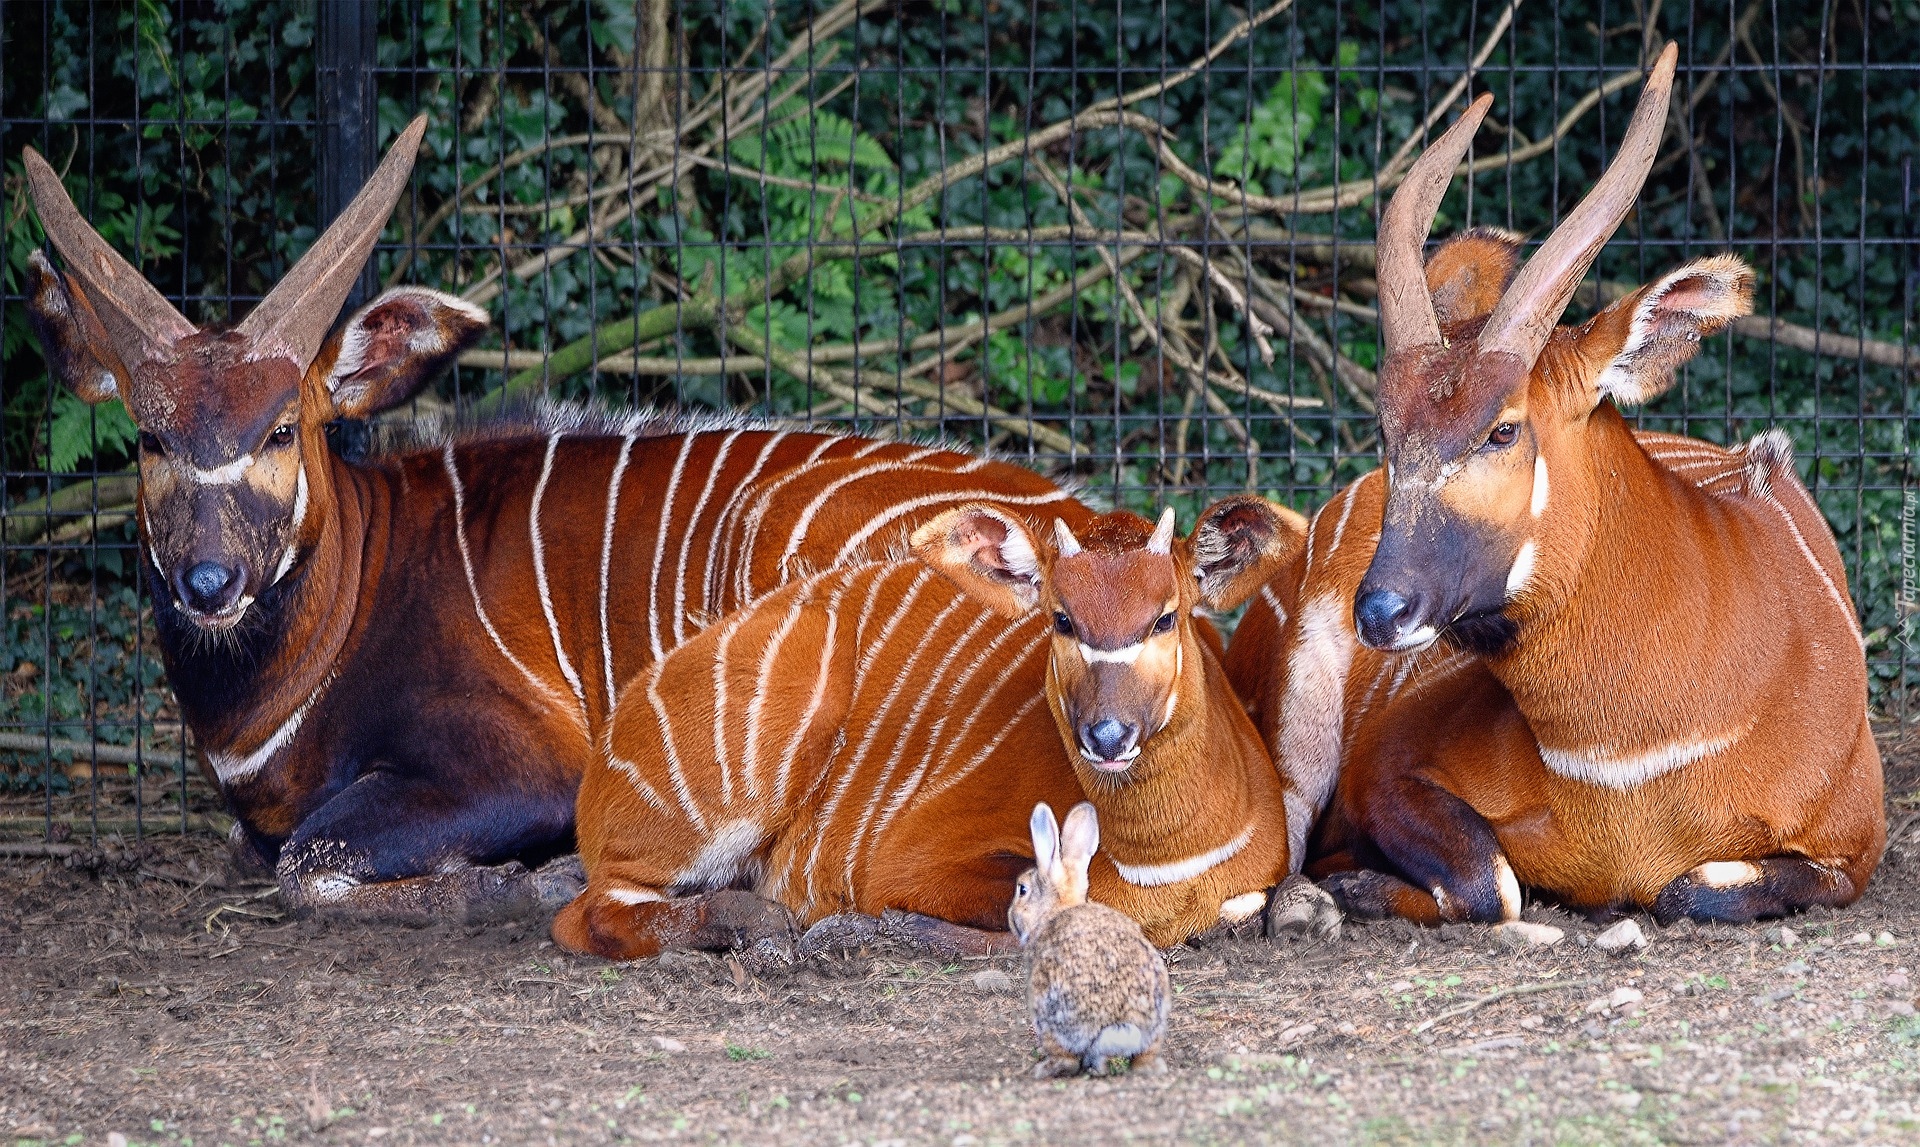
(393, 346)
(1467, 274)
(1646, 336)
(988, 553)
(71, 334)
(1240, 544)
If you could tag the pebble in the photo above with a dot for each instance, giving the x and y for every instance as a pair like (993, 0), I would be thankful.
(1783, 936)
(1624, 936)
(1521, 934)
(668, 1043)
(1860, 938)
(1898, 981)
(994, 981)
(1885, 940)
(1626, 1001)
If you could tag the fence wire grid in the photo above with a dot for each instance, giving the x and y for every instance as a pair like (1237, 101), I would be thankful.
(1130, 243)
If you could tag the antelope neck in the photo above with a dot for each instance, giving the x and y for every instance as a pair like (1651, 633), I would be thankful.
(313, 621)
(1189, 811)
(1588, 673)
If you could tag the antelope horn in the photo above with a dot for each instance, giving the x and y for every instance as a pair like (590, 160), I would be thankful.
(141, 324)
(1063, 539)
(1162, 540)
(1407, 319)
(295, 316)
(1531, 307)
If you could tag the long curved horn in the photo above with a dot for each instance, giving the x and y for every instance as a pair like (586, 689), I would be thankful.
(294, 318)
(1533, 303)
(1407, 319)
(139, 321)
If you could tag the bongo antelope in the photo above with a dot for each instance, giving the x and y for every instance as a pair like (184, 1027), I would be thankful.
(1544, 649)
(875, 737)
(397, 672)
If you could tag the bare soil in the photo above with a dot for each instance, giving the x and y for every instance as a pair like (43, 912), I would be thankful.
(147, 992)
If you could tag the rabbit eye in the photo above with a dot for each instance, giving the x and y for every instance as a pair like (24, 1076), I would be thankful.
(1020, 889)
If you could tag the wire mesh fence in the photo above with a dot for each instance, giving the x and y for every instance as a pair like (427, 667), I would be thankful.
(1129, 243)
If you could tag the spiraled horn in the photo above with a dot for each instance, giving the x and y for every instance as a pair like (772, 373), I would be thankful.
(294, 318)
(1407, 319)
(1530, 310)
(1162, 540)
(1063, 539)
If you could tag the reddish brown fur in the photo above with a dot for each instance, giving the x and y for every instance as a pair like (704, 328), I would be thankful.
(1683, 594)
(908, 714)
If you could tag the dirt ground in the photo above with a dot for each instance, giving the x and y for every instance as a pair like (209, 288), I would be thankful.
(152, 997)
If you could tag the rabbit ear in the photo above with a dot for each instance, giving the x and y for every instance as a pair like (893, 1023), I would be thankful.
(1046, 837)
(1079, 840)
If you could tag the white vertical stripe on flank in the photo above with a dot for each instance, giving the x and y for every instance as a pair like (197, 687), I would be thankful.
(674, 772)
(732, 626)
(540, 576)
(660, 545)
(1340, 526)
(926, 688)
(718, 557)
(985, 753)
(749, 533)
(982, 702)
(762, 681)
(1806, 551)
(804, 522)
(783, 778)
(1273, 603)
(849, 764)
(691, 530)
(640, 785)
(936, 740)
(898, 510)
(606, 560)
(293, 534)
(473, 585)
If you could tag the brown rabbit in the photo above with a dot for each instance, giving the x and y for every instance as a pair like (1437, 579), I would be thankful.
(1096, 989)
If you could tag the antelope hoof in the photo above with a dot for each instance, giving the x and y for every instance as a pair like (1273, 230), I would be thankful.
(943, 939)
(731, 920)
(1360, 893)
(1301, 907)
(842, 932)
(557, 881)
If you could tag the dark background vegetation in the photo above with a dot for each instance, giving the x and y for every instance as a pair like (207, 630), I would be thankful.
(636, 190)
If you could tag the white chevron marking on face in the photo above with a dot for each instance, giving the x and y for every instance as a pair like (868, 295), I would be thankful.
(1125, 655)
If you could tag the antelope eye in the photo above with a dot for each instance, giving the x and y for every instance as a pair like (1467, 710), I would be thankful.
(1503, 435)
(282, 434)
(1165, 624)
(151, 445)
(1062, 624)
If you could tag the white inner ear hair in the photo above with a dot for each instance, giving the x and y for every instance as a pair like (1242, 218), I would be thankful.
(1621, 381)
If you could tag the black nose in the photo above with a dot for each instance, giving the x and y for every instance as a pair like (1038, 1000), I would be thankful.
(1381, 616)
(209, 587)
(1108, 739)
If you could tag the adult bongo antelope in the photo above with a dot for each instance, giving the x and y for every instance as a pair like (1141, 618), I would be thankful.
(1544, 649)
(397, 672)
(874, 738)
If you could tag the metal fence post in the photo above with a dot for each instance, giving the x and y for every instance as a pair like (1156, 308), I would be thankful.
(349, 111)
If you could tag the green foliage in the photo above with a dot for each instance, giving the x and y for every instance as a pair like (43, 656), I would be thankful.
(185, 132)
(82, 431)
